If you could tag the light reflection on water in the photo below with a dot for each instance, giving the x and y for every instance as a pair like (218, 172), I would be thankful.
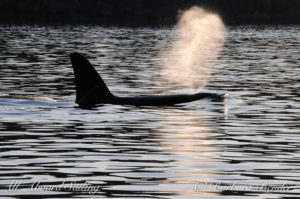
(148, 152)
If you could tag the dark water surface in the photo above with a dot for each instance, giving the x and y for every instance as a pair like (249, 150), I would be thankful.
(247, 147)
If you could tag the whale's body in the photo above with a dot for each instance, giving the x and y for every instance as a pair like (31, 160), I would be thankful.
(91, 90)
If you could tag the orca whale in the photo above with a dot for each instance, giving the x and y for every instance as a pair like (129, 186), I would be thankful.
(91, 90)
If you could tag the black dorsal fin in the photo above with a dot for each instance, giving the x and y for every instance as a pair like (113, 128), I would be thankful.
(90, 88)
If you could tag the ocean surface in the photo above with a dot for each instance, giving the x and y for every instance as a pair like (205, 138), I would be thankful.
(245, 147)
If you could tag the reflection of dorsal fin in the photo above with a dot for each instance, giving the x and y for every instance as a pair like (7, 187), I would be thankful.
(90, 88)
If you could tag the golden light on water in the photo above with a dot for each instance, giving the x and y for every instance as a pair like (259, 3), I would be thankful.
(183, 133)
(189, 60)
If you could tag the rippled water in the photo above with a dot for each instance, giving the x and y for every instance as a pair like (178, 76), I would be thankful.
(246, 147)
